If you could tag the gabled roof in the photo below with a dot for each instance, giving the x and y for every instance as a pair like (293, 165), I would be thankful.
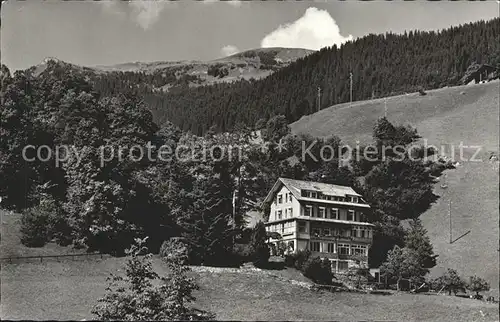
(295, 187)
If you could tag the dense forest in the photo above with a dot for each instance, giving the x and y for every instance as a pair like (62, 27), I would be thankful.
(381, 65)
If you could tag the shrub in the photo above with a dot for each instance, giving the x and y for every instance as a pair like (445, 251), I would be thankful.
(297, 259)
(39, 222)
(290, 260)
(318, 270)
(301, 257)
(174, 247)
(358, 276)
(261, 256)
(34, 228)
(450, 281)
(137, 297)
(244, 252)
(258, 243)
(478, 284)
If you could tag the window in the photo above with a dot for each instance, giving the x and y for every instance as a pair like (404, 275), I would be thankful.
(315, 246)
(321, 212)
(343, 249)
(302, 227)
(326, 231)
(354, 232)
(350, 215)
(334, 266)
(278, 214)
(308, 211)
(359, 250)
(280, 199)
(334, 213)
(316, 232)
(343, 265)
(362, 231)
(355, 199)
(290, 197)
(331, 247)
(313, 195)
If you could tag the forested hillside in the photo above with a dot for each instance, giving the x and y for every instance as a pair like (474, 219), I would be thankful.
(221, 95)
(382, 65)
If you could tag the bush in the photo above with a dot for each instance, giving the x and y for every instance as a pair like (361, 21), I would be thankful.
(478, 284)
(261, 256)
(318, 270)
(290, 260)
(143, 295)
(174, 247)
(39, 223)
(34, 228)
(358, 276)
(450, 281)
(258, 244)
(244, 252)
(301, 257)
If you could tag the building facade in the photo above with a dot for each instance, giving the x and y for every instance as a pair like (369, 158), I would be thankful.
(329, 220)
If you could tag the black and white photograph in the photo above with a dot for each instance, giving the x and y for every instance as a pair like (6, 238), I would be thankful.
(239, 160)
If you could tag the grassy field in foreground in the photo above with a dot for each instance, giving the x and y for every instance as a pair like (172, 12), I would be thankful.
(68, 290)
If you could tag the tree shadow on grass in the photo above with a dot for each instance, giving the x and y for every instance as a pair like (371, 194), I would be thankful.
(274, 266)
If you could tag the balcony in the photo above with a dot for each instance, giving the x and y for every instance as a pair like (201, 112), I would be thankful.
(340, 256)
(340, 238)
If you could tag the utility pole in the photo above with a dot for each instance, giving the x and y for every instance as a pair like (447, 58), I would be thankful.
(350, 76)
(385, 107)
(449, 212)
(319, 98)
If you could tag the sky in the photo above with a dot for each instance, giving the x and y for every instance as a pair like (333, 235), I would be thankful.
(109, 32)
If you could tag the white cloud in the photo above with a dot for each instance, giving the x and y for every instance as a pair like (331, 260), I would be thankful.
(229, 50)
(314, 30)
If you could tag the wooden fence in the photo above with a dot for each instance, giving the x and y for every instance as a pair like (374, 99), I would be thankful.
(41, 258)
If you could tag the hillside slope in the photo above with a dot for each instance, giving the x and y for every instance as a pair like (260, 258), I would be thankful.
(255, 63)
(446, 116)
(467, 114)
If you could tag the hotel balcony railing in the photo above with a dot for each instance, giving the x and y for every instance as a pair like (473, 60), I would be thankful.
(341, 256)
(341, 238)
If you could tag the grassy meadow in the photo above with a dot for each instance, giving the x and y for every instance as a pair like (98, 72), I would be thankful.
(68, 289)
